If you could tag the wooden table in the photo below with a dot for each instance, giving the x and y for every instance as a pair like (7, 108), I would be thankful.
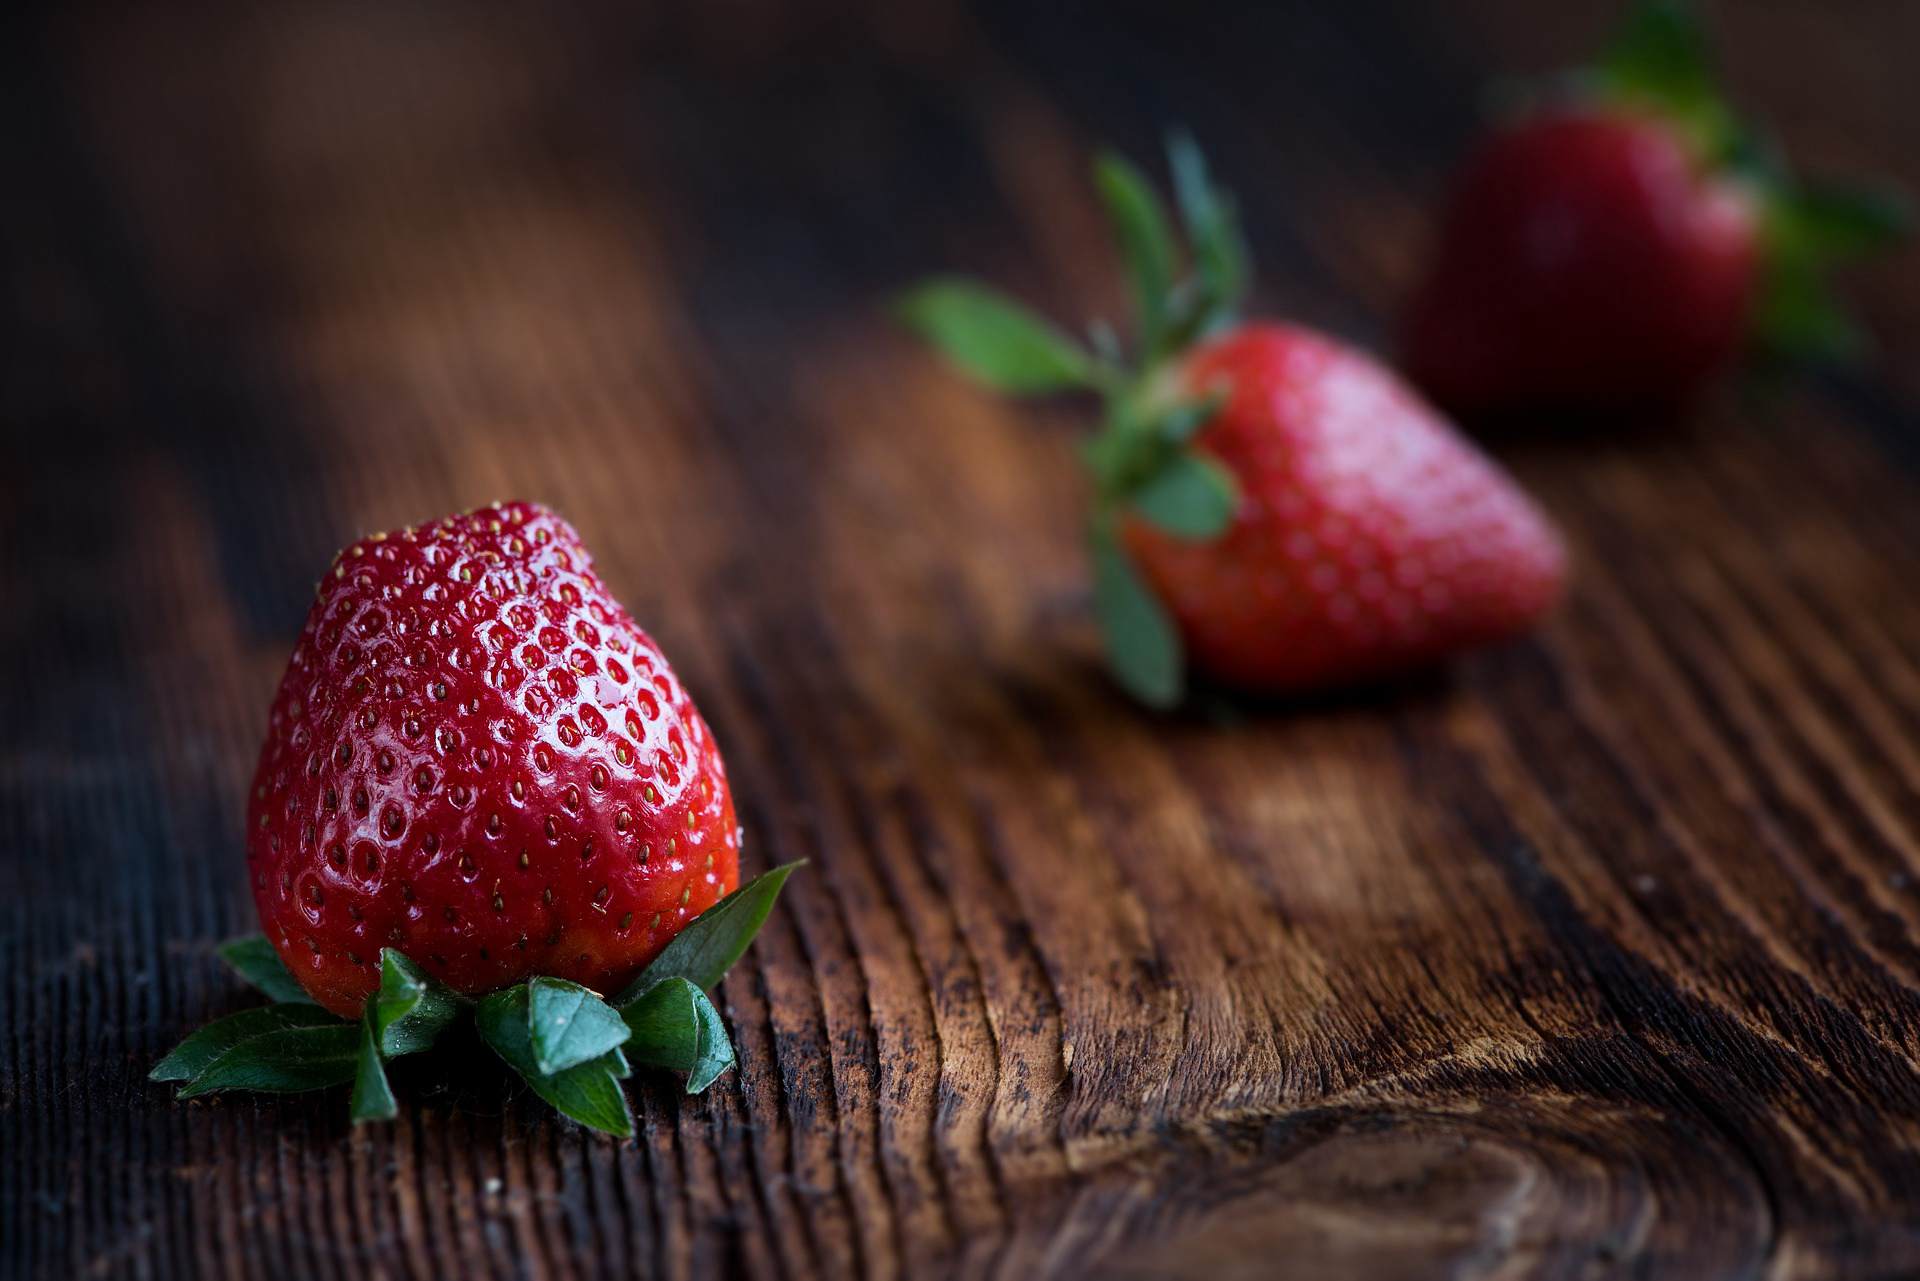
(1600, 956)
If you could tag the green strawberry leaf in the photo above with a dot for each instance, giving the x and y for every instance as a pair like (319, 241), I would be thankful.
(994, 339)
(1105, 343)
(1146, 242)
(715, 1054)
(676, 1027)
(254, 959)
(1801, 319)
(411, 1008)
(1183, 422)
(588, 1092)
(1661, 58)
(1831, 224)
(1754, 156)
(1190, 496)
(1660, 51)
(1137, 460)
(706, 948)
(1808, 228)
(372, 1097)
(665, 1022)
(284, 1061)
(1143, 646)
(1213, 229)
(569, 1024)
(192, 1056)
(1111, 456)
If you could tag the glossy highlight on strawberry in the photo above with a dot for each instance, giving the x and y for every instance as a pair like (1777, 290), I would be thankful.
(478, 759)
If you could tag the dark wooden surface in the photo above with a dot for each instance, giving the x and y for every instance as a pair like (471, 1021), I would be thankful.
(1601, 957)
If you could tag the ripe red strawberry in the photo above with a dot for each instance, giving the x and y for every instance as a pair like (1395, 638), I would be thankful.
(1616, 250)
(482, 779)
(478, 759)
(1585, 260)
(1298, 518)
(1369, 537)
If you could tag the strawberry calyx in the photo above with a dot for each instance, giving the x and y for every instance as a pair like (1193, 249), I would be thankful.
(1659, 64)
(570, 1045)
(1141, 459)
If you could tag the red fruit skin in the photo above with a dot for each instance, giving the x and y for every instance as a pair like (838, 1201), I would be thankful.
(1371, 538)
(1585, 262)
(476, 757)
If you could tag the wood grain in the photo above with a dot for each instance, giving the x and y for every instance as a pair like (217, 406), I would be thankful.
(1599, 955)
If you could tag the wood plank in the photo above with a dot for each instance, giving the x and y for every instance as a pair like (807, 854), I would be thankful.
(1596, 956)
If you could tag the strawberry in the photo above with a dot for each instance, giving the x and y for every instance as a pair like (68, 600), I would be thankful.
(481, 778)
(1370, 537)
(1617, 247)
(1270, 504)
(476, 756)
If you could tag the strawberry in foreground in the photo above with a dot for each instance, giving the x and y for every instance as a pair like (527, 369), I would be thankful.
(1269, 502)
(1615, 248)
(482, 788)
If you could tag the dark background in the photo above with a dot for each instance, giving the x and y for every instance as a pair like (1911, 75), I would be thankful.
(1598, 957)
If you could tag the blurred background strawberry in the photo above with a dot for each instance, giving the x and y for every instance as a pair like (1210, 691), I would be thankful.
(1625, 236)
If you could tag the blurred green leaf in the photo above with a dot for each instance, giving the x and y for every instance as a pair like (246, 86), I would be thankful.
(996, 340)
(1660, 58)
(1838, 223)
(1189, 496)
(1801, 319)
(1143, 646)
(1181, 423)
(1146, 242)
(1660, 53)
(1213, 229)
